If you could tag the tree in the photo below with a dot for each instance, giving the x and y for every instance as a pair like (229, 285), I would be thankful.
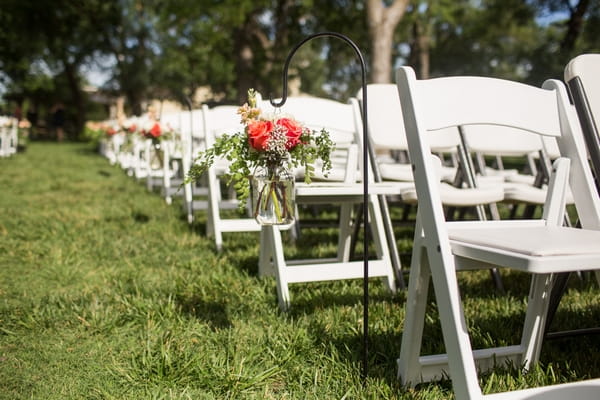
(58, 35)
(382, 21)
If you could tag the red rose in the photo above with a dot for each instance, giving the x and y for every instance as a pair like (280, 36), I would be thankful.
(293, 131)
(259, 133)
(111, 131)
(132, 128)
(155, 131)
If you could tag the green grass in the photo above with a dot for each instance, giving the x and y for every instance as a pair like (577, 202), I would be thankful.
(106, 293)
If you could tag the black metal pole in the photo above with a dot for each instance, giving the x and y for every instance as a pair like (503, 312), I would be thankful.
(358, 53)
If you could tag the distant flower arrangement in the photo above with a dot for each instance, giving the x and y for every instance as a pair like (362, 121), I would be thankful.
(128, 126)
(267, 141)
(157, 131)
(110, 130)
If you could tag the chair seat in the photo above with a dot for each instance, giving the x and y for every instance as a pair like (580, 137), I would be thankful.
(403, 172)
(455, 197)
(532, 247)
(523, 193)
(339, 191)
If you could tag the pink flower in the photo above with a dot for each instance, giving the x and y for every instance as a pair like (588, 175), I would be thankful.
(293, 131)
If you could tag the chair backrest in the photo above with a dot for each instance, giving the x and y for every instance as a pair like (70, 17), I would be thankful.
(319, 113)
(220, 120)
(501, 140)
(385, 121)
(171, 119)
(337, 119)
(581, 76)
(462, 101)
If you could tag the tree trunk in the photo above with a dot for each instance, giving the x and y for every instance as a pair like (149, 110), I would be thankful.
(574, 26)
(419, 50)
(77, 98)
(243, 65)
(382, 22)
(251, 42)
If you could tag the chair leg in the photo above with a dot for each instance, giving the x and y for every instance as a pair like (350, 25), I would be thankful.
(279, 266)
(265, 258)
(461, 363)
(214, 217)
(409, 366)
(558, 289)
(535, 318)
(379, 237)
(188, 202)
(345, 235)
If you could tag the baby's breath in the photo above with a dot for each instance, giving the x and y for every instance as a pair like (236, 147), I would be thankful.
(276, 146)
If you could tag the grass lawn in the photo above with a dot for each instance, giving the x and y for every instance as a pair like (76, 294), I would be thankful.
(106, 293)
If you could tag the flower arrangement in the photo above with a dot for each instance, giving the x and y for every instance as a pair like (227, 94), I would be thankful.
(128, 126)
(268, 141)
(156, 131)
(151, 130)
(110, 130)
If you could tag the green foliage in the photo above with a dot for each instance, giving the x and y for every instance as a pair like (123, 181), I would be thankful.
(169, 49)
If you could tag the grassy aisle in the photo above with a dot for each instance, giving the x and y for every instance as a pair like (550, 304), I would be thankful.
(105, 293)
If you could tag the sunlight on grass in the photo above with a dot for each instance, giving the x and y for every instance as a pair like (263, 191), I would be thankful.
(106, 293)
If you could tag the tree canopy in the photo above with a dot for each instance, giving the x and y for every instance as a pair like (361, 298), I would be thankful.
(169, 49)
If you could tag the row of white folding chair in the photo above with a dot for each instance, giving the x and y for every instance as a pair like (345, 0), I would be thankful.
(193, 141)
(540, 247)
(218, 121)
(8, 136)
(170, 174)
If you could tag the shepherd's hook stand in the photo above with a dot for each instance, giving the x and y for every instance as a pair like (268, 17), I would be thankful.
(365, 208)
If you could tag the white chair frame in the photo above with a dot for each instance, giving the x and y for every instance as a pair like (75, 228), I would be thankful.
(441, 248)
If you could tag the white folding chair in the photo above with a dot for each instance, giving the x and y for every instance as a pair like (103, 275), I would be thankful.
(5, 129)
(386, 134)
(193, 135)
(218, 121)
(172, 148)
(338, 119)
(13, 137)
(540, 247)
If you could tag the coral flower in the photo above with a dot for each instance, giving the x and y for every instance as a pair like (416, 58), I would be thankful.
(155, 131)
(259, 134)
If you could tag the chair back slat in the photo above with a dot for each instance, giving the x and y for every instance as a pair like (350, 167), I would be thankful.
(463, 100)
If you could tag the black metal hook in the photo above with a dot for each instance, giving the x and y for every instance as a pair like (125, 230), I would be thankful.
(300, 44)
(365, 209)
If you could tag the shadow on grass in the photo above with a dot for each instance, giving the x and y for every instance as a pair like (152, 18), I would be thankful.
(140, 217)
(310, 298)
(212, 312)
(383, 351)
